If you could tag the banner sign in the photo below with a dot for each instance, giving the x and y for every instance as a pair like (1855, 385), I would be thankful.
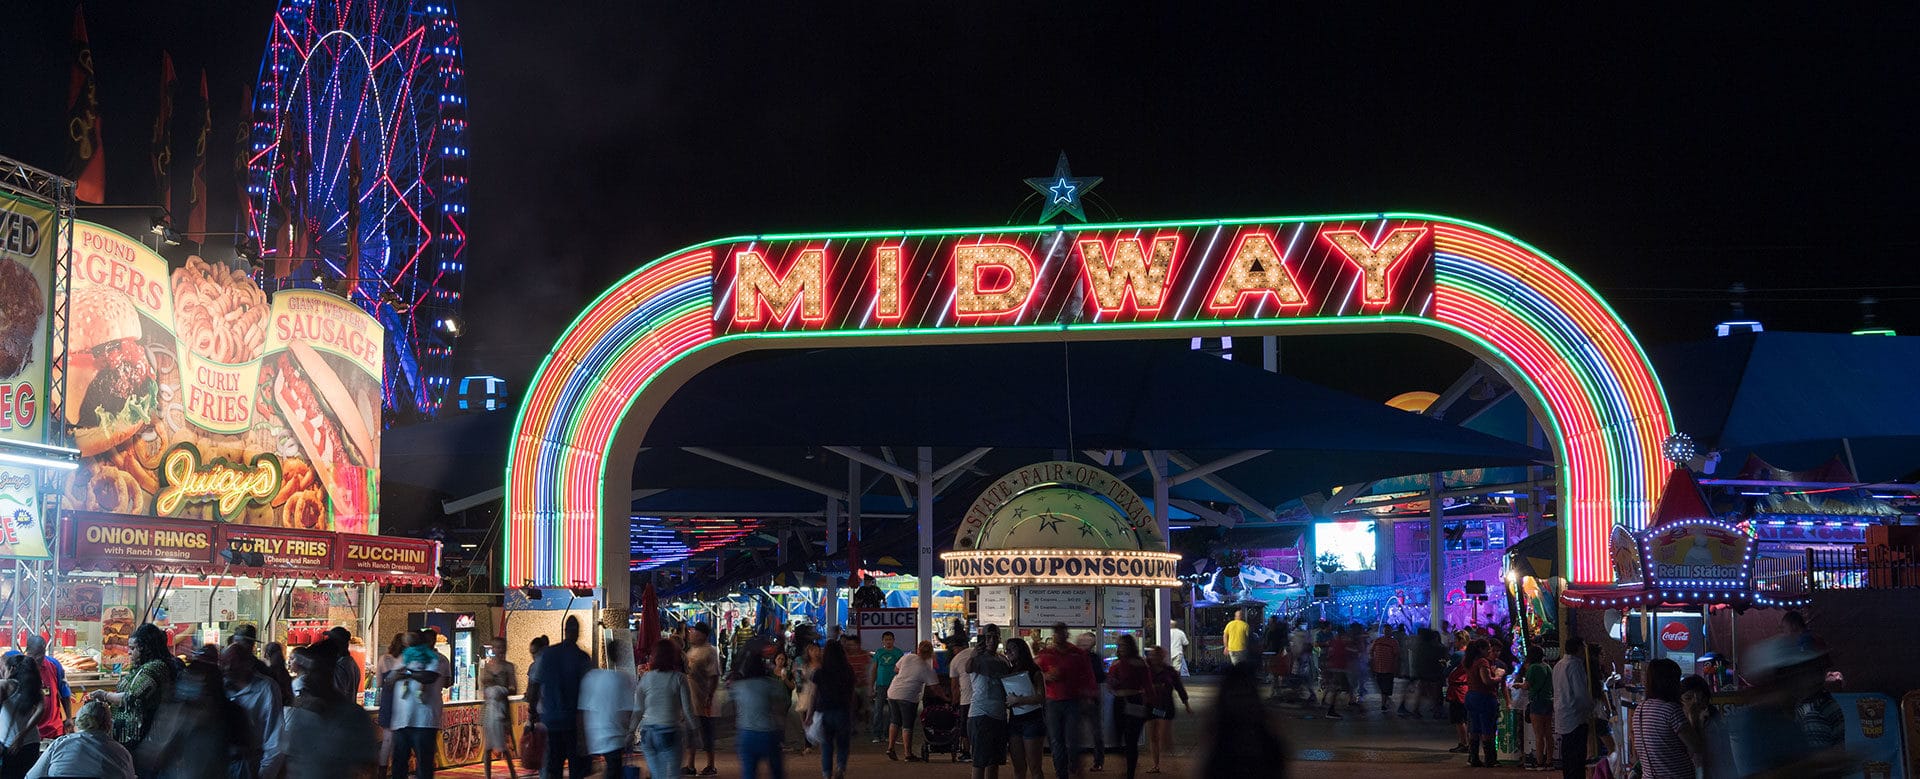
(1062, 566)
(1873, 734)
(26, 285)
(198, 359)
(110, 542)
(382, 557)
(1698, 553)
(1198, 272)
(1794, 533)
(281, 551)
(21, 515)
(1120, 607)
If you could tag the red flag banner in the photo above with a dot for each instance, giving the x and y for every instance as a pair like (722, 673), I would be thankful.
(197, 198)
(163, 133)
(87, 162)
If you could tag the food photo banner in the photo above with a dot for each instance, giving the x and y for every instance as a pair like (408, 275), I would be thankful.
(1195, 273)
(190, 393)
(26, 281)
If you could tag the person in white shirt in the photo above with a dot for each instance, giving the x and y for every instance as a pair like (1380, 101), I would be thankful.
(958, 669)
(1572, 708)
(89, 751)
(417, 717)
(607, 704)
(911, 676)
(1177, 647)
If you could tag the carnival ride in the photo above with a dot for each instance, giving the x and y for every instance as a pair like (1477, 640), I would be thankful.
(357, 173)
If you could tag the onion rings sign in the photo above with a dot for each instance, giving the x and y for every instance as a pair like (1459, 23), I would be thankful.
(1119, 568)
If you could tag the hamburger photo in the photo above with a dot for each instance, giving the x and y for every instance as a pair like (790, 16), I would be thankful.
(111, 391)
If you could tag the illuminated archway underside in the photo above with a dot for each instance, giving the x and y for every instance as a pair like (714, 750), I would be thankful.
(1572, 358)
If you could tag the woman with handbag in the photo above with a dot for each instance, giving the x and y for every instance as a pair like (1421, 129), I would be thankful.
(1131, 684)
(832, 712)
(1165, 683)
(664, 708)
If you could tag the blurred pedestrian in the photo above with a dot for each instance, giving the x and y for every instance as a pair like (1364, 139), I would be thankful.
(1334, 678)
(138, 697)
(259, 698)
(53, 687)
(1715, 757)
(327, 736)
(1131, 683)
(1068, 683)
(760, 700)
(1177, 641)
(833, 704)
(1537, 679)
(274, 655)
(1664, 738)
(665, 709)
(200, 734)
(1384, 655)
(499, 682)
(21, 704)
(89, 751)
(347, 673)
(383, 699)
(557, 675)
(1769, 741)
(1482, 702)
(1026, 710)
(1098, 718)
(809, 662)
(703, 682)
(962, 691)
(1242, 740)
(417, 704)
(608, 706)
(987, 723)
(1160, 706)
(1572, 708)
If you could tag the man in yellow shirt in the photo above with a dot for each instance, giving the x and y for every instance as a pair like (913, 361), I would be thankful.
(1236, 637)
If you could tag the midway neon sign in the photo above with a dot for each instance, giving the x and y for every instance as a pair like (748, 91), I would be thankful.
(1161, 273)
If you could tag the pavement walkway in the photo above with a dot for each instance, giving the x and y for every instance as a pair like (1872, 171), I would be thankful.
(1361, 744)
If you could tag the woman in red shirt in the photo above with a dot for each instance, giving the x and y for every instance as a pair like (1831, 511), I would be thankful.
(1131, 683)
(1165, 684)
(1483, 702)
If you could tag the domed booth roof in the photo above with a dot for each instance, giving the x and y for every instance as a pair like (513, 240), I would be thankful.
(1060, 523)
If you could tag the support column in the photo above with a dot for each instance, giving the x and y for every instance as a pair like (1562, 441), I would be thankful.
(923, 505)
(1162, 597)
(854, 494)
(830, 602)
(1436, 556)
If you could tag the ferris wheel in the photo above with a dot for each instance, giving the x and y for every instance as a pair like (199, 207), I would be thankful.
(357, 173)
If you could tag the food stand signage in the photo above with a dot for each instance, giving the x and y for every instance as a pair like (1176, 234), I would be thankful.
(199, 357)
(382, 556)
(26, 270)
(279, 550)
(1047, 605)
(1698, 553)
(105, 542)
(21, 535)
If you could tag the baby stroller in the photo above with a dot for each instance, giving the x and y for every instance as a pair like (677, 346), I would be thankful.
(940, 724)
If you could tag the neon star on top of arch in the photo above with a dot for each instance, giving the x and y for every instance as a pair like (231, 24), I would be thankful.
(1562, 346)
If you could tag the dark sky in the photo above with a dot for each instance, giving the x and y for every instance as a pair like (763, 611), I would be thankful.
(1663, 156)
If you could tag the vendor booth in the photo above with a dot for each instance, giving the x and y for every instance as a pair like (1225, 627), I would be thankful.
(1061, 542)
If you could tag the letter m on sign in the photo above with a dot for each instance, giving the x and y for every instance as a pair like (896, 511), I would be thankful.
(756, 287)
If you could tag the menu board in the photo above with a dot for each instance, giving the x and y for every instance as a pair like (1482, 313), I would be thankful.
(191, 394)
(26, 283)
(995, 606)
(1046, 605)
(21, 517)
(1120, 607)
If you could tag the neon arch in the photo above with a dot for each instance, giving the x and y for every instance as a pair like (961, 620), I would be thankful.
(1548, 332)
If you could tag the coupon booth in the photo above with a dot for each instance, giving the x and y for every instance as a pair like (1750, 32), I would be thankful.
(1061, 542)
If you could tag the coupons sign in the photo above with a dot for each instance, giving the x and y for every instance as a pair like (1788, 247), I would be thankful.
(199, 359)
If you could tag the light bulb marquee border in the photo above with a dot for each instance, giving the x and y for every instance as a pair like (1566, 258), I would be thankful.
(1573, 359)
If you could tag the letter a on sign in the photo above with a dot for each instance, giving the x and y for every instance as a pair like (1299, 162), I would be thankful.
(804, 286)
(1255, 269)
(1375, 261)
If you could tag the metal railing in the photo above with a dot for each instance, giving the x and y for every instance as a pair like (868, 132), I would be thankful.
(1862, 568)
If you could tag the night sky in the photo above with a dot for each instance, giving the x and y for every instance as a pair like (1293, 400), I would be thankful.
(1661, 156)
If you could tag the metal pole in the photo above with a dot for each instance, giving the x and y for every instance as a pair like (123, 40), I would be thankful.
(830, 602)
(854, 494)
(1162, 597)
(1436, 560)
(923, 505)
